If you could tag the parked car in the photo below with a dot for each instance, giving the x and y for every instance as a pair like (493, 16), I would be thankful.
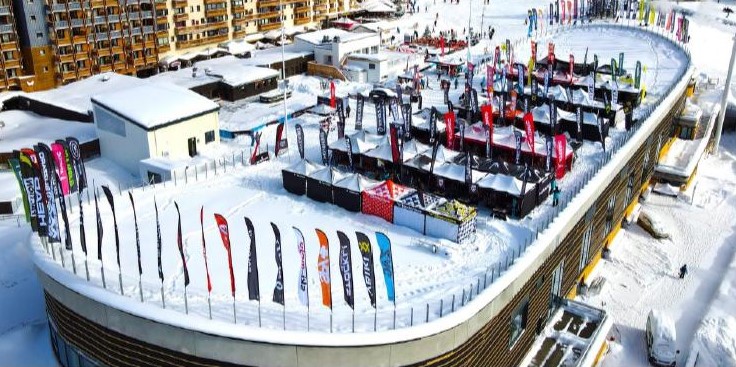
(661, 338)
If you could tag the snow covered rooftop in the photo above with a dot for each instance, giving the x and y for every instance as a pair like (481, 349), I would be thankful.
(153, 105)
(24, 129)
(185, 78)
(77, 96)
(234, 71)
(273, 55)
(316, 38)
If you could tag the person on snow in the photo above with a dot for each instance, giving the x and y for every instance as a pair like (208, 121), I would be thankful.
(683, 271)
(455, 83)
(556, 196)
(347, 111)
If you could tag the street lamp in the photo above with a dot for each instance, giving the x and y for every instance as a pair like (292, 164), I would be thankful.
(724, 98)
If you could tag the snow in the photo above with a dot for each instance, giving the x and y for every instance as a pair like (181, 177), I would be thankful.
(273, 55)
(153, 105)
(24, 129)
(260, 196)
(315, 38)
(185, 78)
(234, 71)
(77, 96)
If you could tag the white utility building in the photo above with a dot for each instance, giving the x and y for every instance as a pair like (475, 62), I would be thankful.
(332, 45)
(153, 120)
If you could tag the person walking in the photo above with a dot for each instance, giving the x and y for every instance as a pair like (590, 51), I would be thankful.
(556, 196)
(347, 110)
(683, 271)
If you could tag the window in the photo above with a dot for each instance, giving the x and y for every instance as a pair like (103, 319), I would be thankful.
(33, 18)
(45, 69)
(39, 35)
(209, 136)
(609, 214)
(372, 66)
(629, 189)
(42, 52)
(557, 283)
(328, 59)
(518, 321)
(585, 251)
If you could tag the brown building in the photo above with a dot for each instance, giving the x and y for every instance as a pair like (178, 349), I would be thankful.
(54, 42)
(11, 61)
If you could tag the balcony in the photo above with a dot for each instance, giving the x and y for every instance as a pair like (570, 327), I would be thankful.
(302, 21)
(4, 10)
(160, 4)
(238, 34)
(60, 24)
(179, 3)
(161, 20)
(269, 26)
(208, 2)
(237, 8)
(266, 15)
(103, 3)
(77, 23)
(201, 41)
(12, 64)
(67, 75)
(239, 21)
(6, 28)
(164, 48)
(181, 17)
(215, 12)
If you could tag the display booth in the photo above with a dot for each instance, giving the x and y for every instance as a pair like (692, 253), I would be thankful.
(451, 220)
(347, 192)
(295, 176)
(379, 200)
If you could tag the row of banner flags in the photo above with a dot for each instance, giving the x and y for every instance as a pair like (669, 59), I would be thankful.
(46, 174)
(323, 265)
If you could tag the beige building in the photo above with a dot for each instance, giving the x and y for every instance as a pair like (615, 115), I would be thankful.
(153, 120)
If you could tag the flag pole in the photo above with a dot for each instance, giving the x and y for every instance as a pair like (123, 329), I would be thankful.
(186, 303)
(235, 316)
(375, 317)
(163, 300)
(140, 285)
(120, 279)
(307, 315)
(284, 315)
(209, 304)
(259, 312)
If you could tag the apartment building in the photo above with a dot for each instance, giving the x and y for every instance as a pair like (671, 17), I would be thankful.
(61, 41)
(10, 55)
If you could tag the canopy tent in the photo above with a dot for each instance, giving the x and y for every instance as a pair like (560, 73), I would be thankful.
(379, 200)
(411, 210)
(322, 110)
(319, 184)
(420, 125)
(412, 148)
(295, 176)
(508, 194)
(541, 180)
(504, 145)
(542, 119)
(347, 192)
(590, 129)
(450, 180)
(360, 141)
(452, 220)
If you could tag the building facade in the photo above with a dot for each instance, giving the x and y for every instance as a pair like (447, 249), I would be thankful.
(11, 64)
(54, 42)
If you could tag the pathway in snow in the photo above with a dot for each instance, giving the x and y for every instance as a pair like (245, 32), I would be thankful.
(642, 272)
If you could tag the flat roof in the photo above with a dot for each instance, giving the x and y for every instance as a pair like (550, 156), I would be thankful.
(23, 129)
(185, 78)
(234, 71)
(155, 105)
(345, 36)
(273, 55)
(77, 96)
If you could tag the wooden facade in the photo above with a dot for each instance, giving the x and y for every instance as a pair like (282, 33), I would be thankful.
(492, 344)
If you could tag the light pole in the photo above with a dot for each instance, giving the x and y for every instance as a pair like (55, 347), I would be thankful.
(724, 98)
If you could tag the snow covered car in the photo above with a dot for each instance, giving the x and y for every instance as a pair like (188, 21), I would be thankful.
(661, 340)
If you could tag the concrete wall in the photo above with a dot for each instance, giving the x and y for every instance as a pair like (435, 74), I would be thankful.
(126, 150)
(171, 141)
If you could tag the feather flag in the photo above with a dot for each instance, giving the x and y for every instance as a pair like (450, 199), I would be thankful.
(346, 269)
(254, 286)
(225, 235)
(387, 263)
(323, 268)
(204, 249)
(100, 233)
(137, 235)
(180, 244)
(110, 200)
(364, 245)
(158, 237)
(278, 290)
(302, 282)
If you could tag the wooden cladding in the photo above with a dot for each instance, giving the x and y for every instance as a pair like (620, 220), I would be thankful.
(490, 346)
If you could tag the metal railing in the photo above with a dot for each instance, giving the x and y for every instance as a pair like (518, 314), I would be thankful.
(173, 295)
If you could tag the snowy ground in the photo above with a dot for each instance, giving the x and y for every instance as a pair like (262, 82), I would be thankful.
(508, 21)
